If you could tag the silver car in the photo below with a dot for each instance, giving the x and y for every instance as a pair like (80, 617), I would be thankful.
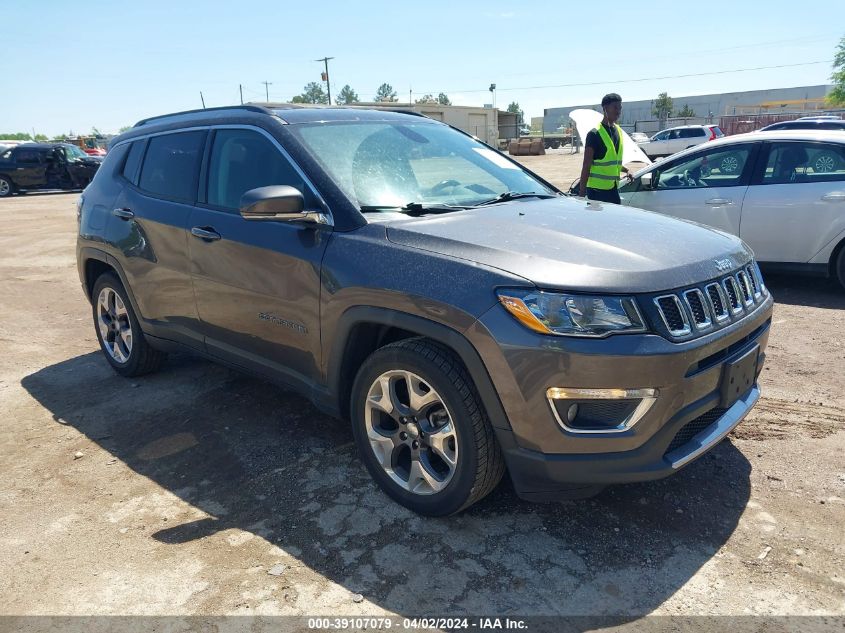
(782, 192)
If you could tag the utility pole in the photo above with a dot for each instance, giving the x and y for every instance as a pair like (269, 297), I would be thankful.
(267, 85)
(203, 100)
(325, 60)
(241, 88)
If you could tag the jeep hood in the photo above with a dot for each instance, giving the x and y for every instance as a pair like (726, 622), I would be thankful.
(573, 244)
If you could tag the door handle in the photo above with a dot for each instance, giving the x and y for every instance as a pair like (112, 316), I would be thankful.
(834, 196)
(718, 201)
(123, 213)
(207, 234)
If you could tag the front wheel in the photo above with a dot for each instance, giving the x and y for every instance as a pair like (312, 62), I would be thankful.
(839, 268)
(421, 429)
(119, 332)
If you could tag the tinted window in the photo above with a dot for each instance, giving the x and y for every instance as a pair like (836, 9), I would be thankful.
(692, 132)
(720, 167)
(832, 125)
(30, 156)
(790, 163)
(244, 159)
(171, 165)
(6, 155)
(130, 167)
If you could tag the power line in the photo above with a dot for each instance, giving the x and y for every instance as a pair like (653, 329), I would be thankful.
(641, 79)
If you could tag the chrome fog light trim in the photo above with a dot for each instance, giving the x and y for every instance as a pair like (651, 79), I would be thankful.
(647, 398)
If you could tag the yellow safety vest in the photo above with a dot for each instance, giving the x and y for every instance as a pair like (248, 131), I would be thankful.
(604, 173)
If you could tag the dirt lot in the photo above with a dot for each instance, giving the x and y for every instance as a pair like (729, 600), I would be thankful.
(202, 491)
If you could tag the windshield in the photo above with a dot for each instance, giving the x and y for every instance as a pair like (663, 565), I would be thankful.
(384, 165)
(74, 152)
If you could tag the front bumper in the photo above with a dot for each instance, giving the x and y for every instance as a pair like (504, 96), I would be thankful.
(548, 461)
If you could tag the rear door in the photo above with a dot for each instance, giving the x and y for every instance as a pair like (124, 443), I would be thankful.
(257, 283)
(30, 168)
(149, 230)
(796, 203)
(707, 186)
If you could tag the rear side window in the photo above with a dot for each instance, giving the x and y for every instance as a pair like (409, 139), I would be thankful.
(133, 160)
(171, 165)
(29, 156)
(244, 159)
(692, 132)
(717, 131)
(796, 162)
(832, 125)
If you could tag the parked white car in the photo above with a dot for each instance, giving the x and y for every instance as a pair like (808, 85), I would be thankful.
(676, 139)
(782, 192)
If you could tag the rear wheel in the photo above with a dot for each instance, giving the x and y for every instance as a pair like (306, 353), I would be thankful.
(6, 187)
(421, 429)
(839, 267)
(118, 331)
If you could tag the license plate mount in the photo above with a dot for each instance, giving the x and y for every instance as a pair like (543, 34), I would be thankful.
(738, 377)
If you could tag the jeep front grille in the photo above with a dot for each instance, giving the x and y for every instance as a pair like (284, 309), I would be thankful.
(717, 302)
(698, 308)
(673, 315)
(711, 305)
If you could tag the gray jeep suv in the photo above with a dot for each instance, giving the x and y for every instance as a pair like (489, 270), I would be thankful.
(461, 312)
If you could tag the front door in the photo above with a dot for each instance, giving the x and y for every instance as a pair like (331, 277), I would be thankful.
(706, 187)
(796, 203)
(257, 283)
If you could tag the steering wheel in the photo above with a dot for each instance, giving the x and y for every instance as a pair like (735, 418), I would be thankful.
(443, 184)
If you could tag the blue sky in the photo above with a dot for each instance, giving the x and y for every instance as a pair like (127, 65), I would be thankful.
(74, 65)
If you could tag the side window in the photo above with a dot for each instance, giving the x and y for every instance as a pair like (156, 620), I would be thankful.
(692, 132)
(674, 134)
(6, 155)
(171, 165)
(804, 162)
(133, 160)
(715, 168)
(661, 137)
(28, 156)
(245, 159)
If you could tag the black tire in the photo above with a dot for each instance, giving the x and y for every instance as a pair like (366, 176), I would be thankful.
(142, 358)
(7, 188)
(839, 267)
(480, 464)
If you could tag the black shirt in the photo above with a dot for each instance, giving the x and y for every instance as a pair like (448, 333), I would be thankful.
(594, 141)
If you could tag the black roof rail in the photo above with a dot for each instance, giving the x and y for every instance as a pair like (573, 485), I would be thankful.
(250, 108)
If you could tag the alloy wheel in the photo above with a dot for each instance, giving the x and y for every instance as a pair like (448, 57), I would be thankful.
(411, 432)
(5, 189)
(113, 323)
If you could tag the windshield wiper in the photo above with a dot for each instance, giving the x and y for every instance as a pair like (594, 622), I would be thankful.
(514, 195)
(415, 209)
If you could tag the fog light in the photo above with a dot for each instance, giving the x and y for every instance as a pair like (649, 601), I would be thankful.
(572, 413)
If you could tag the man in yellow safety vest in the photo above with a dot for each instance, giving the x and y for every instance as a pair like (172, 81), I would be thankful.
(603, 155)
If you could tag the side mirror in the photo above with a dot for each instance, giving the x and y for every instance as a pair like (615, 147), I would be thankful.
(648, 180)
(278, 203)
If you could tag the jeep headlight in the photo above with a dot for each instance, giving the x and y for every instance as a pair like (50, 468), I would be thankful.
(571, 314)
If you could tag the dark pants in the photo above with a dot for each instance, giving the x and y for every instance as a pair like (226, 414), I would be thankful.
(604, 195)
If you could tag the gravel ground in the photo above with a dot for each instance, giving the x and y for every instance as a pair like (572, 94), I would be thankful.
(199, 490)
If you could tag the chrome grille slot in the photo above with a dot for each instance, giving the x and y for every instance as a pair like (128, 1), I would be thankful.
(732, 292)
(755, 285)
(745, 288)
(718, 303)
(673, 315)
(698, 309)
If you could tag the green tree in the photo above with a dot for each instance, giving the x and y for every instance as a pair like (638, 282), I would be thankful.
(95, 131)
(347, 96)
(40, 137)
(443, 99)
(16, 136)
(686, 111)
(662, 106)
(386, 93)
(312, 93)
(429, 98)
(837, 95)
